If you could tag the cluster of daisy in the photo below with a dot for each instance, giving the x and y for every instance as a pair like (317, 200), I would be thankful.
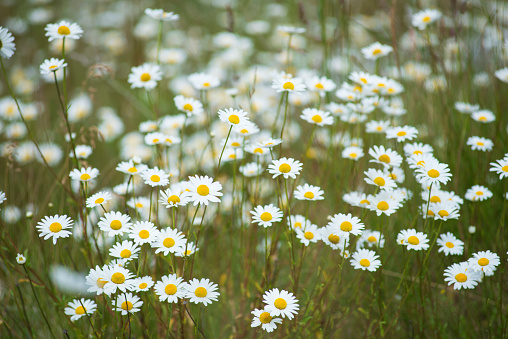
(279, 305)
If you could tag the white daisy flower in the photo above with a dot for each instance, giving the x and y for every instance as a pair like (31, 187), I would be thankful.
(450, 245)
(169, 241)
(125, 250)
(384, 203)
(483, 116)
(203, 81)
(417, 149)
(445, 210)
(189, 248)
(63, 29)
(364, 259)
(266, 215)
(128, 303)
(374, 126)
(462, 276)
(432, 171)
(54, 227)
(380, 179)
(233, 117)
(370, 239)
(353, 153)
(317, 117)
(308, 192)
(403, 133)
(96, 280)
(7, 46)
(466, 108)
(129, 167)
(115, 223)
(201, 291)
(502, 74)
(145, 76)
(142, 284)
(385, 157)
(287, 167)
(79, 308)
(478, 193)
(263, 318)
(280, 303)
(202, 190)
(190, 106)
(84, 174)
(291, 29)
(309, 234)
(298, 221)
(155, 177)
(98, 199)
(143, 232)
(117, 277)
(248, 128)
(334, 237)
(413, 240)
(395, 173)
(485, 261)
(173, 198)
(251, 169)
(282, 84)
(347, 223)
(500, 167)
(423, 18)
(321, 85)
(358, 199)
(170, 288)
(82, 151)
(52, 65)
(159, 14)
(20, 259)
(376, 50)
(480, 144)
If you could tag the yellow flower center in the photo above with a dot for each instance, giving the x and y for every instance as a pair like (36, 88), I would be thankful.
(125, 253)
(280, 303)
(413, 240)
(53, 66)
(101, 282)
(317, 119)
(188, 107)
(309, 195)
(171, 289)
(450, 245)
(443, 213)
(265, 216)
(384, 158)
(118, 278)
(64, 30)
(479, 193)
(376, 51)
(99, 201)
(308, 235)
(55, 227)
(155, 178)
(482, 118)
(145, 77)
(319, 86)
(483, 262)
(288, 85)
(235, 144)
(126, 305)
(346, 226)
(206, 84)
(461, 277)
(429, 212)
(132, 170)
(435, 199)
(85, 176)
(203, 190)
(353, 155)
(433, 173)
(155, 140)
(258, 150)
(365, 201)
(169, 242)
(80, 310)
(417, 152)
(365, 262)
(334, 239)
(143, 286)
(139, 205)
(479, 143)
(401, 134)
(505, 168)
(143, 234)
(383, 205)
(243, 131)
(115, 225)
(379, 181)
(200, 292)
(372, 239)
(174, 199)
(284, 168)
(265, 317)
(426, 19)
(234, 119)
(379, 128)
(298, 225)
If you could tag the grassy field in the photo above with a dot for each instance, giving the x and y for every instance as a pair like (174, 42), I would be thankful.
(394, 112)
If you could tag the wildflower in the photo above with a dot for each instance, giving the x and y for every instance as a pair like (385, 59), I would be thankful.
(423, 18)
(82, 151)
(397, 174)
(20, 259)
(384, 202)
(321, 85)
(233, 117)
(52, 65)
(413, 240)
(445, 210)
(316, 117)
(115, 223)
(385, 157)
(478, 193)
(169, 241)
(347, 223)
(159, 14)
(376, 50)
(54, 227)
(77, 309)
(485, 261)
(170, 288)
(266, 215)
(63, 29)
(188, 105)
(380, 179)
(128, 303)
(186, 250)
(142, 284)
(117, 278)
(462, 276)
(2, 197)
(298, 221)
(500, 167)
(432, 171)
(7, 46)
(402, 133)
(370, 239)
(248, 128)
(374, 126)
(480, 144)
(280, 303)
(287, 167)
(308, 192)
(466, 108)
(202, 190)
(143, 232)
(173, 198)
(96, 279)
(291, 30)
(155, 177)
(288, 85)
(334, 237)
(98, 199)
(417, 149)
(449, 244)
(270, 143)
(484, 116)
(502, 74)
(265, 319)
(125, 250)
(129, 167)
(251, 169)
(309, 234)
(85, 174)
(365, 260)
(145, 76)
(353, 153)
(201, 291)
(203, 81)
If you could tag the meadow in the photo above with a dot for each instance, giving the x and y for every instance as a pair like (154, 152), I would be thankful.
(253, 169)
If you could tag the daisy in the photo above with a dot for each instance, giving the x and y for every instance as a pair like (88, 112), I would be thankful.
(173, 198)
(248, 128)
(20, 259)
(154, 138)
(233, 117)
(417, 149)
(257, 150)
(7, 47)
(310, 234)
(169, 240)
(309, 192)
(484, 116)
(155, 177)
(396, 174)
(417, 161)
(201, 291)
(423, 18)
(128, 303)
(142, 284)
(52, 65)
(270, 143)
(126, 250)
(287, 167)
(54, 227)
(115, 223)
(374, 126)
(365, 260)
(63, 29)
(280, 303)
(202, 190)
(251, 169)
(85, 174)
(170, 288)
(449, 244)
(334, 237)
(82, 151)
(376, 50)
(298, 221)
(263, 318)
(402, 133)
(358, 199)
(385, 157)
(145, 76)
(2, 197)
(78, 308)
(188, 105)
(500, 167)
(413, 240)
(96, 280)
(432, 171)
(466, 108)
(321, 85)
(353, 153)
(203, 81)
(143, 232)
(370, 239)
(117, 277)
(462, 276)
(384, 202)
(129, 167)
(98, 199)
(282, 84)
(445, 210)
(501, 74)
(347, 223)
(485, 261)
(380, 179)
(480, 144)
(266, 215)
(159, 14)
(188, 249)
(316, 117)
(478, 193)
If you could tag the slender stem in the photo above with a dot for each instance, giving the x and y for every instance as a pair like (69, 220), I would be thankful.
(38, 303)
(223, 148)
(285, 117)
(24, 312)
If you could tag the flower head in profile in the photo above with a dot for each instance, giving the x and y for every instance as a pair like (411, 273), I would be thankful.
(284, 84)
(287, 167)
(7, 46)
(84, 174)
(376, 50)
(63, 29)
(480, 143)
(52, 65)
(159, 14)
(321, 85)
(309, 192)
(98, 199)
(423, 18)
(190, 106)
(203, 81)
(145, 76)
(502, 74)
(500, 167)
(401, 134)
